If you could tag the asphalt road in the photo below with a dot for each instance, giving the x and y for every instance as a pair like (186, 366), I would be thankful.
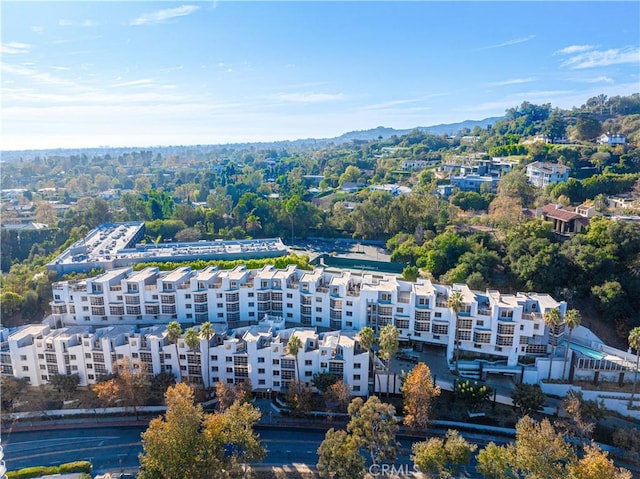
(115, 448)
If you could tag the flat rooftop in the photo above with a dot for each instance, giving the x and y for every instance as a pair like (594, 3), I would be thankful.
(117, 245)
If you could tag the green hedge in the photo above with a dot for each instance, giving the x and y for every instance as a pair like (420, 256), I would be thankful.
(280, 262)
(37, 471)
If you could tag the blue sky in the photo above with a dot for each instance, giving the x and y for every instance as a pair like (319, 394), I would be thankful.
(83, 74)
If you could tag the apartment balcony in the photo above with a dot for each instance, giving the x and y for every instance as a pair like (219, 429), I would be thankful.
(404, 298)
(484, 312)
(115, 288)
(441, 304)
(248, 284)
(533, 316)
(322, 289)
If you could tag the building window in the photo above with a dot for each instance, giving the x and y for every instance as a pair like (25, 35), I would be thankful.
(260, 359)
(356, 377)
(356, 365)
(261, 371)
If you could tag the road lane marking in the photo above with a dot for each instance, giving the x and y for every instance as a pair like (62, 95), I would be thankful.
(60, 439)
(69, 451)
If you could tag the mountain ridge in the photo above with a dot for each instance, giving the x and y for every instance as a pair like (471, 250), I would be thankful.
(357, 135)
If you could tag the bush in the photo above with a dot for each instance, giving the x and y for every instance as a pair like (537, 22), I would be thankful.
(37, 471)
(77, 466)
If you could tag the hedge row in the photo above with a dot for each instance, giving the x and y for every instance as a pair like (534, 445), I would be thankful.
(37, 471)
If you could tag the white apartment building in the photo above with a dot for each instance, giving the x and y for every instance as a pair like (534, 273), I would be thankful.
(496, 325)
(257, 353)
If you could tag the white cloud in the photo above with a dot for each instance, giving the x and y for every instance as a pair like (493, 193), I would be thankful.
(514, 81)
(161, 16)
(601, 58)
(601, 79)
(142, 81)
(87, 23)
(508, 43)
(37, 29)
(14, 48)
(571, 49)
(310, 97)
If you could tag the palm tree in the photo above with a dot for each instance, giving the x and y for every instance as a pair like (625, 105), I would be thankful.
(174, 331)
(552, 319)
(571, 321)
(253, 223)
(455, 303)
(293, 347)
(634, 342)
(389, 336)
(207, 332)
(192, 340)
(367, 339)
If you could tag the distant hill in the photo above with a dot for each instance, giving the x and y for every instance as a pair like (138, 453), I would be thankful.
(442, 129)
(363, 135)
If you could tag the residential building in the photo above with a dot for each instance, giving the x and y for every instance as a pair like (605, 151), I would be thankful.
(566, 222)
(475, 183)
(542, 173)
(257, 353)
(115, 245)
(612, 139)
(393, 189)
(493, 324)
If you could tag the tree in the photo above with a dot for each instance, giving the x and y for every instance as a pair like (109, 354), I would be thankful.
(389, 345)
(12, 389)
(455, 303)
(322, 381)
(207, 332)
(367, 340)
(187, 443)
(229, 394)
(192, 341)
(173, 445)
(528, 398)
(419, 391)
(65, 383)
(571, 320)
(235, 428)
(587, 127)
(188, 235)
(10, 303)
(294, 345)
(338, 393)
(129, 385)
(595, 464)
(539, 451)
(46, 213)
(552, 319)
(339, 456)
(373, 426)
(493, 462)
(582, 415)
(442, 456)
(174, 331)
(634, 342)
(290, 206)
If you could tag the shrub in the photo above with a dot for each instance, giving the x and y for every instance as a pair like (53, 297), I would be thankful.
(37, 471)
